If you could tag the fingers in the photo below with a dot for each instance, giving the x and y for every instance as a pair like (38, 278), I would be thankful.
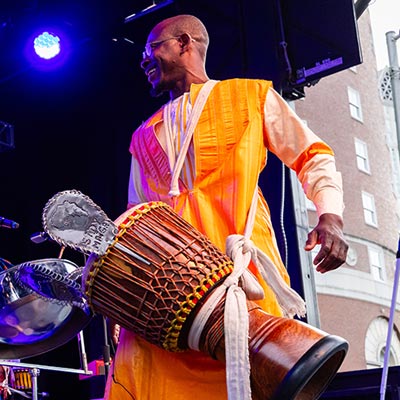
(312, 240)
(329, 234)
(331, 255)
(114, 330)
(115, 333)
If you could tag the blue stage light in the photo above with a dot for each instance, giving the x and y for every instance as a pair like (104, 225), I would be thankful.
(47, 45)
(47, 48)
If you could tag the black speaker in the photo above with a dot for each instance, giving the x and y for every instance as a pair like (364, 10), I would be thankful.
(321, 38)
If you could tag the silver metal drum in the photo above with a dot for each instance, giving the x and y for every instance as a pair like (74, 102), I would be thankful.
(31, 323)
(54, 279)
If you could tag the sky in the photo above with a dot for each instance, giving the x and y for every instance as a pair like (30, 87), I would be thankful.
(385, 17)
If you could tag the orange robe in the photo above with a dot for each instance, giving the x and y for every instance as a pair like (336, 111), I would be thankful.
(230, 146)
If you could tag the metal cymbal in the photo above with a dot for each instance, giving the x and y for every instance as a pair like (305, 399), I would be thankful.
(77, 320)
(31, 324)
(53, 278)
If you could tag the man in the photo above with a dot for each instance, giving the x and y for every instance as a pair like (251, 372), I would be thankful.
(202, 153)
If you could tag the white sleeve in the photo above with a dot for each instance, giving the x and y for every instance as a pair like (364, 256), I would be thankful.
(322, 184)
(288, 137)
(135, 194)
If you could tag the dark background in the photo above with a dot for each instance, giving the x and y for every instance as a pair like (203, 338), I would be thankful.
(73, 124)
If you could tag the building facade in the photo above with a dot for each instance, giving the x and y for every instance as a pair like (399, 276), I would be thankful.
(348, 111)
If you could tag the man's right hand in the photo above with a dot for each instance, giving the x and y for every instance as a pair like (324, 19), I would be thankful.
(115, 330)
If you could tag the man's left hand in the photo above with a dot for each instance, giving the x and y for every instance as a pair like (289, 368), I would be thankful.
(329, 234)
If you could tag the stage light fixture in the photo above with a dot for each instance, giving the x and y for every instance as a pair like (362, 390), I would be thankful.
(47, 45)
(47, 48)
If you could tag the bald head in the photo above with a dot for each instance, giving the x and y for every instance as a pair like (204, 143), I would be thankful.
(180, 24)
(175, 55)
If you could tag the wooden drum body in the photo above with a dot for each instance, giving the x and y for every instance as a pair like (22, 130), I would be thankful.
(289, 359)
(158, 294)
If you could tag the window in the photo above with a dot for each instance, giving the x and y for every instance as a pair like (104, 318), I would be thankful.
(368, 203)
(362, 156)
(376, 263)
(375, 344)
(354, 103)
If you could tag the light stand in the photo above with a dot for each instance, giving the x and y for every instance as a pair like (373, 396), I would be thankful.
(82, 351)
(20, 392)
(390, 326)
(34, 369)
(106, 350)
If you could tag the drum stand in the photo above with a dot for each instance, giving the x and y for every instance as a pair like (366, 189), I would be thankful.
(106, 350)
(34, 369)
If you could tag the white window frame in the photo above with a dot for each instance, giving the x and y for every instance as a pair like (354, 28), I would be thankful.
(355, 104)
(362, 156)
(368, 203)
(375, 344)
(376, 263)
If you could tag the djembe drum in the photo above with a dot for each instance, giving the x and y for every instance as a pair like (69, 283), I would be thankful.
(155, 277)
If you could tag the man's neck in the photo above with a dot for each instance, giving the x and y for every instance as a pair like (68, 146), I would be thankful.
(184, 86)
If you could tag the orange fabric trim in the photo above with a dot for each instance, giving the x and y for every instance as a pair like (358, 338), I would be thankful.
(309, 153)
(155, 118)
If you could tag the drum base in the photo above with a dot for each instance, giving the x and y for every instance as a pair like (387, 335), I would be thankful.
(311, 375)
(289, 359)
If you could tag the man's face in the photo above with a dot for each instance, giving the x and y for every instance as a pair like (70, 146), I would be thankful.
(162, 62)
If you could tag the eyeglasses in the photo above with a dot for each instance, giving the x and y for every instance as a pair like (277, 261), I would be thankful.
(149, 47)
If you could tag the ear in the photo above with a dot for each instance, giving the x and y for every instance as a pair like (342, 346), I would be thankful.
(185, 41)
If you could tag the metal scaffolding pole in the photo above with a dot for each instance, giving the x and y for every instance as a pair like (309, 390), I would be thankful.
(391, 38)
(394, 71)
